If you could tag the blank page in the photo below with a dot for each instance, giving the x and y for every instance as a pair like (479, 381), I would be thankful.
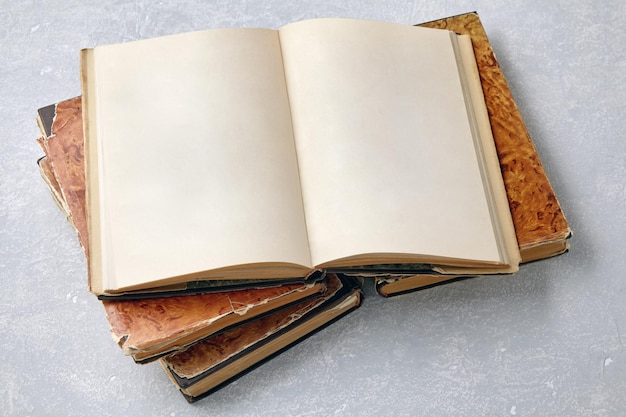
(198, 167)
(386, 154)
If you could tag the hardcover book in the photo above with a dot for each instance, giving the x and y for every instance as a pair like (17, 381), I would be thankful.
(540, 225)
(541, 228)
(229, 154)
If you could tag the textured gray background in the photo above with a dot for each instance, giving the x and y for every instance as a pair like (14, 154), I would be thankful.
(548, 341)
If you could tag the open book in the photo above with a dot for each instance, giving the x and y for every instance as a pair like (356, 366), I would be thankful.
(329, 144)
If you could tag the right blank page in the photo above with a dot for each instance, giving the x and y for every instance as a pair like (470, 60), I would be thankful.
(385, 149)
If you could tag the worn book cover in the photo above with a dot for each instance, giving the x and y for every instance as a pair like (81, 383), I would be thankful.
(61, 125)
(215, 362)
(540, 225)
(150, 328)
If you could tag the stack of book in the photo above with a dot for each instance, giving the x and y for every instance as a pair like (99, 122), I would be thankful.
(232, 188)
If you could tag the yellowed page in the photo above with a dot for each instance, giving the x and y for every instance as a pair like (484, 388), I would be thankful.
(385, 149)
(197, 165)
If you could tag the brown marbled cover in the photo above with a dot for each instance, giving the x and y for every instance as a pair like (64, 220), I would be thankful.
(536, 213)
(144, 325)
(64, 153)
(47, 173)
(208, 354)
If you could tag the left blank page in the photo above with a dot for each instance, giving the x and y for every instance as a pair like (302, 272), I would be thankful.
(196, 161)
